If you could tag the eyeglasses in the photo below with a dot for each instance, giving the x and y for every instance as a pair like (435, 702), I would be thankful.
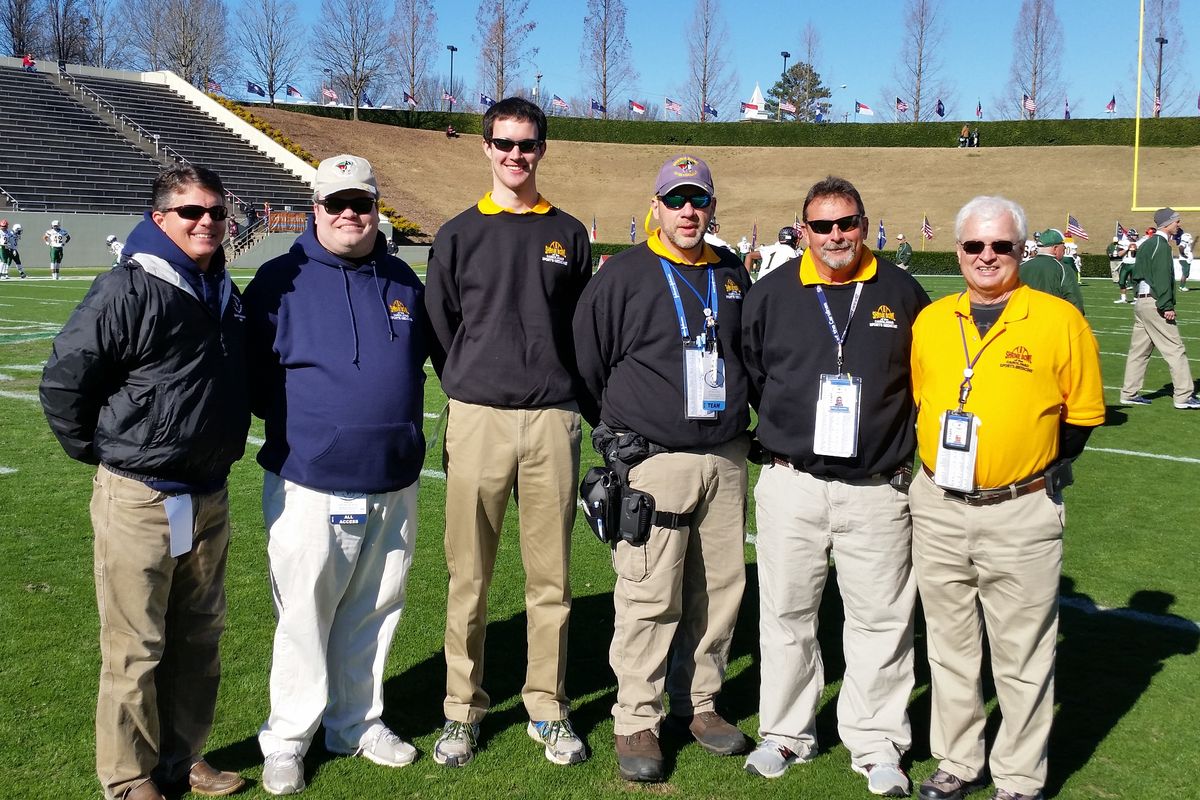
(218, 213)
(1000, 248)
(359, 205)
(825, 226)
(676, 200)
(506, 145)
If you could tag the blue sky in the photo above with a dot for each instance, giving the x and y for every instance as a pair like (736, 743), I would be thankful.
(860, 52)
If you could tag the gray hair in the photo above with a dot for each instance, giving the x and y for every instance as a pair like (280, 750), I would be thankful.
(987, 208)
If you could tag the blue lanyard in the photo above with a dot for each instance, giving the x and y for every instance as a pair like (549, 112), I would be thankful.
(710, 307)
(839, 338)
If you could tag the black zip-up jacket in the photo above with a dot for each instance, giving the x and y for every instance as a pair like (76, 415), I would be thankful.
(146, 377)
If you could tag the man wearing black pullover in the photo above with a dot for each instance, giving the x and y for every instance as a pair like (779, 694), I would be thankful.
(504, 277)
(658, 339)
(826, 340)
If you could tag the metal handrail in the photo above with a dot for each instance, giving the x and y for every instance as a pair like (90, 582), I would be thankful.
(12, 201)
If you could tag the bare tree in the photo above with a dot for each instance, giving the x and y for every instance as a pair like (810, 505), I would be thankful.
(107, 34)
(918, 74)
(352, 41)
(710, 81)
(66, 30)
(268, 43)
(1037, 57)
(187, 37)
(414, 41)
(21, 27)
(503, 27)
(1163, 22)
(604, 56)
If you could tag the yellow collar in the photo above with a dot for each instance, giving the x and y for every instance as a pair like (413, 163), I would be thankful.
(489, 206)
(867, 268)
(654, 242)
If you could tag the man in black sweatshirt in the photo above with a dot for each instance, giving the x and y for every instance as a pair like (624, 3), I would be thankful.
(826, 340)
(658, 340)
(504, 277)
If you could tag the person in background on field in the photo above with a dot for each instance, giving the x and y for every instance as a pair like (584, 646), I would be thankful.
(148, 380)
(987, 506)
(825, 347)
(340, 386)
(904, 252)
(1127, 252)
(1185, 260)
(114, 247)
(1072, 259)
(1154, 320)
(56, 239)
(10, 242)
(1048, 271)
(503, 282)
(964, 136)
(759, 263)
(714, 240)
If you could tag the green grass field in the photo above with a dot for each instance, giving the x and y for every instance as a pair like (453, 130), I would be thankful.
(1127, 667)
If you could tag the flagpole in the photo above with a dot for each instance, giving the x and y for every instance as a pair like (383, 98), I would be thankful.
(924, 238)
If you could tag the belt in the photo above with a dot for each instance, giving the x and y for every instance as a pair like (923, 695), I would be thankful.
(989, 497)
(1141, 296)
(783, 461)
(672, 519)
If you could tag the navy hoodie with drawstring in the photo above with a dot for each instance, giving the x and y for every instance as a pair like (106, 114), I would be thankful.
(336, 352)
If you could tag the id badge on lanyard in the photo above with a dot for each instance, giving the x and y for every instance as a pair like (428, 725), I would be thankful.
(957, 450)
(705, 382)
(347, 508)
(839, 399)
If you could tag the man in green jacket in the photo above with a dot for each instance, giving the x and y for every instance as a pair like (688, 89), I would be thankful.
(1048, 272)
(1154, 323)
(903, 252)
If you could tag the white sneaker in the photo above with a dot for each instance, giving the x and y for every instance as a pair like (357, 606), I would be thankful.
(381, 746)
(457, 744)
(1122, 300)
(283, 773)
(1191, 404)
(562, 745)
(886, 780)
(770, 759)
(1184, 289)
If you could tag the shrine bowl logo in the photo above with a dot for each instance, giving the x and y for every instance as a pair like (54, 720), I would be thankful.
(732, 290)
(883, 317)
(1018, 358)
(556, 254)
(398, 311)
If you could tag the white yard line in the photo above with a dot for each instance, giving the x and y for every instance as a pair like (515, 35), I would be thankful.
(7, 470)
(1139, 454)
(28, 396)
(1125, 355)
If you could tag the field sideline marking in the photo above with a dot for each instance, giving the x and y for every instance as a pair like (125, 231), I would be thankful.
(1117, 451)
(7, 471)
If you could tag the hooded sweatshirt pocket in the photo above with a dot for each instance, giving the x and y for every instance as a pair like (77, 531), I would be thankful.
(377, 453)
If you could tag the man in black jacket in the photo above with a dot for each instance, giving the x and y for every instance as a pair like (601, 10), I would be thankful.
(147, 380)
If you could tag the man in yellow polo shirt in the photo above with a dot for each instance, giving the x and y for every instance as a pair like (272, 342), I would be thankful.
(1007, 385)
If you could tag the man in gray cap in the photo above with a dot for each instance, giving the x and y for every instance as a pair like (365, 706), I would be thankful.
(336, 345)
(1048, 271)
(658, 343)
(1154, 324)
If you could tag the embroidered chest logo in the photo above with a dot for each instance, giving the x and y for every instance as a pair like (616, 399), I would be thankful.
(732, 290)
(555, 254)
(399, 311)
(883, 317)
(1018, 358)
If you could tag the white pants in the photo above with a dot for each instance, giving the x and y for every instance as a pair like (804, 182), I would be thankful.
(865, 525)
(338, 592)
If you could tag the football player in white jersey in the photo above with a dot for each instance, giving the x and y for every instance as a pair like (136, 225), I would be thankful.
(56, 239)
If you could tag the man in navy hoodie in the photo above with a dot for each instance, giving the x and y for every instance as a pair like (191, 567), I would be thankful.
(147, 380)
(336, 354)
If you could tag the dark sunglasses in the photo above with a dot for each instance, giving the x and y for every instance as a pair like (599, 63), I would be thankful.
(505, 145)
(825, 226)
(359, 205)
(676, 201)
(1000, 248)
(218, 213)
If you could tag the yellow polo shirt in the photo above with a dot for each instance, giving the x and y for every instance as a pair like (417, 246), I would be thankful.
(1040, 365)
(864, 271)
(707, 254)
(488, 206)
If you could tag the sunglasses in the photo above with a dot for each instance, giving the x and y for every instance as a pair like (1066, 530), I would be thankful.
(359, 205)
(218, 213)
(1000, 248)
(825, 226)
(676, 201)
(506, 145)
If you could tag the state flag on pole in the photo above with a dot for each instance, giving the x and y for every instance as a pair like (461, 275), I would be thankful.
(926, 228)
(1028, 104)
(881, 239)
(674, 106)
(1066, 108)
(632, 228)
(749, 106)
(1111, 108)
(593, 227)
(709, 111)
(637, 108)
(408, 98)
(754, 236)
(292, 91)
(940, 108)
(486, 101)
(254, 88)
(598, 106)
(1075, 229)
(901, 106)
(863, 108)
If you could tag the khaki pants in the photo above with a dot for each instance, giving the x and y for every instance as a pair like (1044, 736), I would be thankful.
(492, 453)
(677, 596)
(161, 620)
(1150, 330)
(993, 568)
(865, 525)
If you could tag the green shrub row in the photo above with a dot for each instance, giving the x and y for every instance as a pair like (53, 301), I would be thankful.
(1163, 132)
(930, 262)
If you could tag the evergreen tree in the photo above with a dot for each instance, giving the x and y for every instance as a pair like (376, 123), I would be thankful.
(801, 86)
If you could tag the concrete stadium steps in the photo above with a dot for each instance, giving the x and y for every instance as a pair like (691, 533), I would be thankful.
(59, 155)
(246, 171)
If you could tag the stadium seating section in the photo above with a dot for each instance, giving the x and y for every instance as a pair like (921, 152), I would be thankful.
(60, 156)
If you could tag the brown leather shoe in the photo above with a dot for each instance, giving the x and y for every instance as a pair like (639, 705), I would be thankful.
(207, 780)
(639, 757)
(147, 790)
(714, 734)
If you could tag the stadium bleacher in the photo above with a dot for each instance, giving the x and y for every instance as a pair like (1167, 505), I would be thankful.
(60, 156)
(246, 172)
